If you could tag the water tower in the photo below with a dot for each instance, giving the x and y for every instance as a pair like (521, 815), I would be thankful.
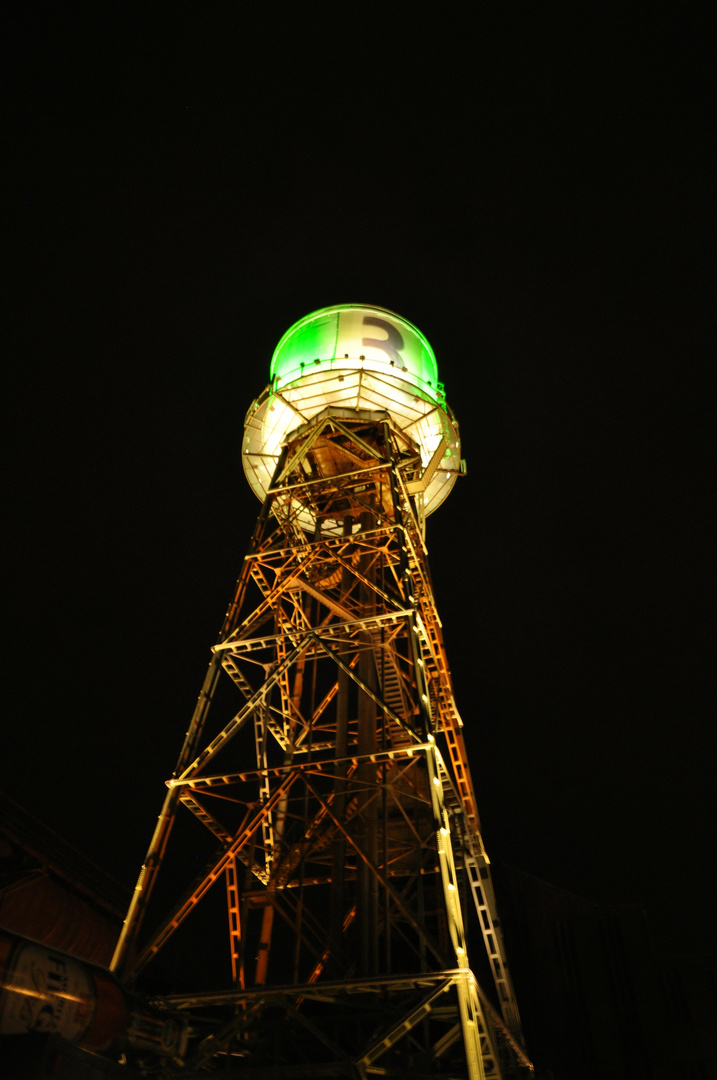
(345, 882)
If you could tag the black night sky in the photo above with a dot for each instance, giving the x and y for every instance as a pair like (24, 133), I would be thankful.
(529, 185)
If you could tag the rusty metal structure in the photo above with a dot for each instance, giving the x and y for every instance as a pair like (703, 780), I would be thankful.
(345, 877)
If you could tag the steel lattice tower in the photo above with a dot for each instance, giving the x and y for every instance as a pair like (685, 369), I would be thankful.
(346, 861)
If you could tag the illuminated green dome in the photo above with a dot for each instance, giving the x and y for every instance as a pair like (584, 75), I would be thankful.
(350, 336)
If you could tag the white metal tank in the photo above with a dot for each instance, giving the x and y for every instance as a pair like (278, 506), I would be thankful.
(360, 359)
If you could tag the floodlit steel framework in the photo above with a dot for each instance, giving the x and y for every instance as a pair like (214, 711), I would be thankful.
(337, 795)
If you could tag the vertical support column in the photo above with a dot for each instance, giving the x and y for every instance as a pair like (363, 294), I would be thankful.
(338, 856)
(469, 1006)
(235, 938)
(367, 900)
